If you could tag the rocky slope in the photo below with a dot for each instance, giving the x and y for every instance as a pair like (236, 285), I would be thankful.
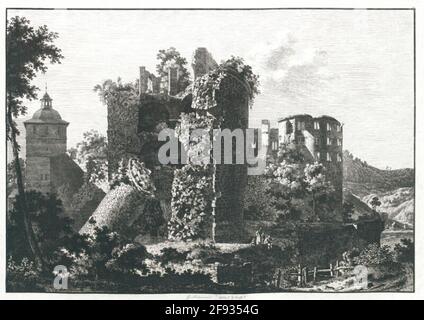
(362, 210)
(394, 188)
(397, 204)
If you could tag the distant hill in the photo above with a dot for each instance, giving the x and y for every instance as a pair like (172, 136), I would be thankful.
(397, 204)
(394, 188)
(364, 179)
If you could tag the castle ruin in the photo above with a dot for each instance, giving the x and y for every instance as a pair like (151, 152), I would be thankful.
(134, 123)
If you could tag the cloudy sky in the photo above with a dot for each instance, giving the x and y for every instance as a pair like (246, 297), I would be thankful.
(355, 65)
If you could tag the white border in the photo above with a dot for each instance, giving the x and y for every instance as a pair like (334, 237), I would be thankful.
(419, 238)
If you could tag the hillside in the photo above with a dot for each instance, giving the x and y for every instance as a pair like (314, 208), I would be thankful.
(394, 188)
(363, 179)
(397, 204)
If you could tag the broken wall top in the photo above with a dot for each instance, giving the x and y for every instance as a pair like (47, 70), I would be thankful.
(202, 63)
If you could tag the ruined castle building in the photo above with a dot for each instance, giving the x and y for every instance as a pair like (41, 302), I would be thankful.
(320, 139)
(45, 138)
(270, 140)
(131, 130)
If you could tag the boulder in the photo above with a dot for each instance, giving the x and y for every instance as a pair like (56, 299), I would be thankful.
(119, 209)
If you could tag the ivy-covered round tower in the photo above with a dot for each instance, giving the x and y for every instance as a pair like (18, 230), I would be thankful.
(231, 179)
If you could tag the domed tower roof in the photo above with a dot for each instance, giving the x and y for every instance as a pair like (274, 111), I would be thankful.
(46, 114)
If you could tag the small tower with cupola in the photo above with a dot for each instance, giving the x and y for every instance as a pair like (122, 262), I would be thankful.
(45, 138)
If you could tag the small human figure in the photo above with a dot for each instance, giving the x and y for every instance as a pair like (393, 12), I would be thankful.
(268, 241)
(258, 236)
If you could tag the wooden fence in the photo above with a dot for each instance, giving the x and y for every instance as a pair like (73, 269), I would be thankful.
(305, 275)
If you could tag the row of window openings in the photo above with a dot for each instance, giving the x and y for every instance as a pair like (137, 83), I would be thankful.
(44, 177)
(301, 126)
(330, 141)
(274, 146)
(328, 157)
(301, 140)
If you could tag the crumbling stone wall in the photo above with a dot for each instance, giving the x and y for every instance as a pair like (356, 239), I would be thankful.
(203, 62)
(122, 118)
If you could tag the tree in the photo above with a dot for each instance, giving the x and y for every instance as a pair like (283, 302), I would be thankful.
(292, 181)
(50, 227)
(91, 154)
(291, 153)
(111, 92)
(27, 50)
(286, 182)
(317, 184)
(257, 200)
(11, 175)
(375, 202)
(404, 251)
(286, 186)
(172, 58)
(299, 179)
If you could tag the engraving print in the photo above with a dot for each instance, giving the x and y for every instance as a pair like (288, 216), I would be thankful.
(210, 151)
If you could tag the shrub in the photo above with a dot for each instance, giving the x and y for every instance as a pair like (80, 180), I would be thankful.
(172, 255)
(51, 228)
(261, 254)
(128, 259)
(172, 281)
(22, 276)
(204, 251)
(264, 261)
(257, 204)
(171, 57)
(404, 252)
(104, 255)
(374, 255)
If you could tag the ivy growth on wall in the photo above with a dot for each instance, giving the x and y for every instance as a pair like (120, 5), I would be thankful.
(208, 86)
(193, 191)
(192, 200)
